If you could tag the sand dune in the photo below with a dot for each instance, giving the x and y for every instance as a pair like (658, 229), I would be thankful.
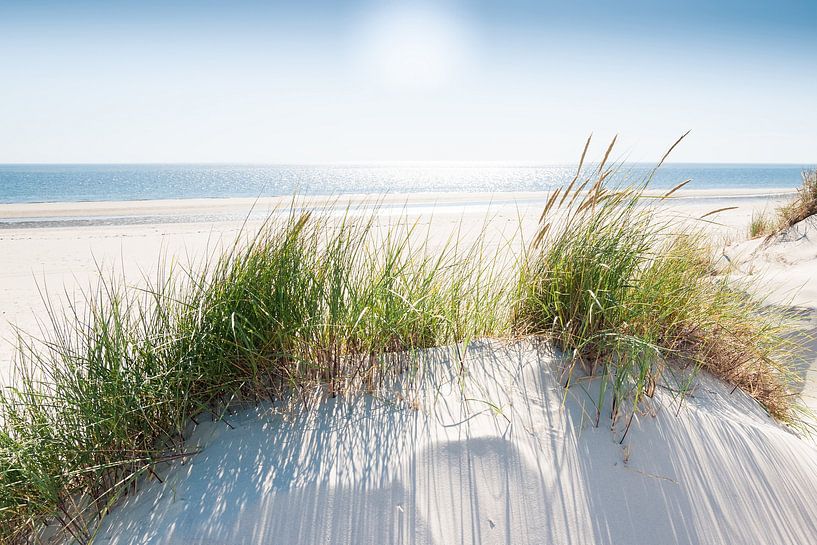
(497, 456)
(493, 458)
(784, 266)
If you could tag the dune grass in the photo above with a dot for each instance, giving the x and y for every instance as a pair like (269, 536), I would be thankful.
(108, 390)
(802, 206)
(107, 395)
(626, 294)
(762, 224)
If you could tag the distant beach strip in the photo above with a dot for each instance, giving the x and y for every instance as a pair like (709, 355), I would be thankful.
(146, 212)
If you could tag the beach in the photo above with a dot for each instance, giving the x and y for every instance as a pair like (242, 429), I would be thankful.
(502, 455)
(408, 272)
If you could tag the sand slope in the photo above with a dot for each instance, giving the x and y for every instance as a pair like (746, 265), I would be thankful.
(784, 266)
(494, 458)
(787, 261)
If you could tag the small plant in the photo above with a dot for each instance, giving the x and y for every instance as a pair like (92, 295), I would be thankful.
(762, 224)
(802, 206)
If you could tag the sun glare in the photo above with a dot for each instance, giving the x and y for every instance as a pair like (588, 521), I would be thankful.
(413, 47)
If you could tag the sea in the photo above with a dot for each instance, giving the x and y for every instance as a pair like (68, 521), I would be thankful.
(39, 183)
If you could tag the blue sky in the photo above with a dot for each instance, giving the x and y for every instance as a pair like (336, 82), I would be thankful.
(312, 81)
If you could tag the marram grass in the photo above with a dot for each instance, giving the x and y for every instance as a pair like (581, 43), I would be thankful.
(626, 294)
(802, 206)
(102, 399)
(107, 392)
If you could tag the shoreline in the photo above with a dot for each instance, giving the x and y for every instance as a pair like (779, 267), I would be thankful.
(195, 210)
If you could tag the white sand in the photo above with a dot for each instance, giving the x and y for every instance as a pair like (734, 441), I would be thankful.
(786, 262)
(785, 266)
(495, 458)
(171, 207)
(500, 461)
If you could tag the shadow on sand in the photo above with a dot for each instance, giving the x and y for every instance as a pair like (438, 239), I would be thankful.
(499, 456)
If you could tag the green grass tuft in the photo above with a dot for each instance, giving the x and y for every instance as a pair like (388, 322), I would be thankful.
(625, 294)
(762, 225)
(107, 395)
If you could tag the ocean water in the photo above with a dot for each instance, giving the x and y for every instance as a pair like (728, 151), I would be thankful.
(56, 183)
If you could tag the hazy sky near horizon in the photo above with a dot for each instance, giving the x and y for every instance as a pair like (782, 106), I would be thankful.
(319, 81)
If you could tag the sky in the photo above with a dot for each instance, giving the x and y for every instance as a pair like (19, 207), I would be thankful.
(348, 82)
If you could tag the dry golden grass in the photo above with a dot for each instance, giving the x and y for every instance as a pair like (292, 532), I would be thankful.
(801, 207)
(804, 205)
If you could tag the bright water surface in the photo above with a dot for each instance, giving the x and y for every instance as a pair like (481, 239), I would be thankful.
(55, 183)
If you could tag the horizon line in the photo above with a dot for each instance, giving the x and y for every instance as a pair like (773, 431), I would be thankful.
(409, 163)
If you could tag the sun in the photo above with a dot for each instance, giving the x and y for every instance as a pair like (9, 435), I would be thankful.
(418, 47)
